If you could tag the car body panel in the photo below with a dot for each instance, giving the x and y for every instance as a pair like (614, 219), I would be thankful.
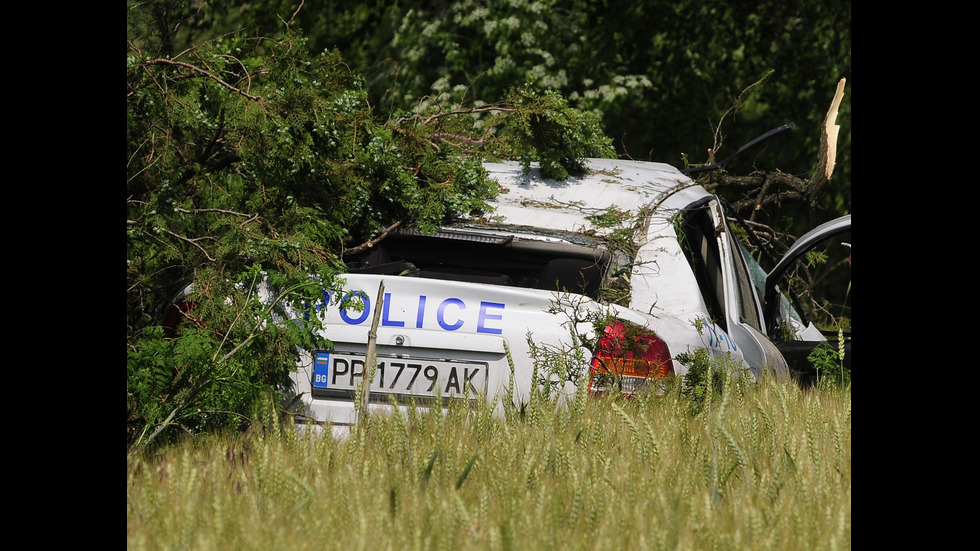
(464, 321)
(536, 202)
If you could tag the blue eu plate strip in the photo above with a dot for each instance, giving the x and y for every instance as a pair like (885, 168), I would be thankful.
(321, 370)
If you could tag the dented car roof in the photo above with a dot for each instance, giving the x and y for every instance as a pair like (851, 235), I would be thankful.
(566, 206)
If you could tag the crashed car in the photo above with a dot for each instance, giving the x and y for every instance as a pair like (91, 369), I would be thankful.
(618, 271)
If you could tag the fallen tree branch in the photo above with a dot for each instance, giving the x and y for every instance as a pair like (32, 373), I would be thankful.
(225, 211)
(447, 137)
(441, 114)
(193, 242)
(827, 156)
(373, 242)
(208, 74)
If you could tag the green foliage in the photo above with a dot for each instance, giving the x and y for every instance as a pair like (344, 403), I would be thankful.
(660, 76)
(557, 367)
(559, 137)
(704, 379)
(610, 218)
(151, 368)
(708, 378)
(232, 352)
(829, 363)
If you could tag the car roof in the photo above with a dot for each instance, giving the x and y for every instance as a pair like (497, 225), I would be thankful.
(528, 200)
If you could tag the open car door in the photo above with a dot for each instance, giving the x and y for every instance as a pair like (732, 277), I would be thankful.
(780, 306)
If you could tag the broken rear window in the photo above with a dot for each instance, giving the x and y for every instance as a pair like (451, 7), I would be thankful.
(488, 257)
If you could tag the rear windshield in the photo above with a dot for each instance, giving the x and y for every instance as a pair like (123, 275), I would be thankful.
(492, 258)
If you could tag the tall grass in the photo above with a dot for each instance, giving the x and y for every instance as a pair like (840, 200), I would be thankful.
(767, 466)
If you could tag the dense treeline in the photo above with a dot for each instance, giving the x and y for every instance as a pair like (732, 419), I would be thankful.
(660, 75)
(273, 136)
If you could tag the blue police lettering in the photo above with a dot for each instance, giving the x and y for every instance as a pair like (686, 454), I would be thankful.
(364, 313)
(484, 316)
(450, 314)
(421, 315)
(718, 337)
(386, 312)
(441, 314)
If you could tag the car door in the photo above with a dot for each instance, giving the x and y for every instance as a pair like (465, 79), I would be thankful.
(742, 305)
(779, 312)
(730, 298)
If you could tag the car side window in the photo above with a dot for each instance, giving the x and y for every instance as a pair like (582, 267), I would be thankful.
(701, 242)
(748, 312)
(702, 250)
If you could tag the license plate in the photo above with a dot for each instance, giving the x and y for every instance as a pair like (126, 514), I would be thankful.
(341, 373)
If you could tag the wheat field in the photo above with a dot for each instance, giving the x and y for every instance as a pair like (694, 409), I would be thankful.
(764, 466)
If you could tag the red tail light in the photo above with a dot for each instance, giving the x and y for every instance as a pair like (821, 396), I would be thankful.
(628, 357)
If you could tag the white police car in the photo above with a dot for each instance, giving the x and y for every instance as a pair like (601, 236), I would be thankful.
(635, 245)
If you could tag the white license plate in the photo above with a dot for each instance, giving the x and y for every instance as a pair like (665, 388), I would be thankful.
(341, 373)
